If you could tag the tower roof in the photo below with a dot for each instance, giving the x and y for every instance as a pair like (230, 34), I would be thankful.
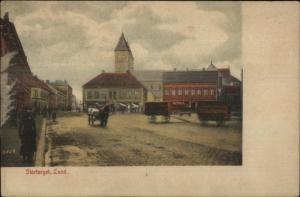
(211, 66)
(122, 44)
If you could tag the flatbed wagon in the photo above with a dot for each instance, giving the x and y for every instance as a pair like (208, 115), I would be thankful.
(213, 111)
(165, 109)
(154, 109)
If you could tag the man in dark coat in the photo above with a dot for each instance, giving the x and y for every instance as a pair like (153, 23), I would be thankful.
(105, 115)
(27, 133)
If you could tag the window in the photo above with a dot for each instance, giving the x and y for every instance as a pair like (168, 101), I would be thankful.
(89, 95)
(96, 95)
(115, 95)
(212, 92)
(166, 92)
(129, 94)
(35, 93)
(199, 92)
(193, 92)
(186, 91)
(159, 87)
(136, 94)
(110, 95)
(205, 92)
(173, 92)
(179, 92)
(103, 96)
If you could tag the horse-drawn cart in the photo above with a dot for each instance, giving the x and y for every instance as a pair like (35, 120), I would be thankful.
(98, 114)
(213, 111)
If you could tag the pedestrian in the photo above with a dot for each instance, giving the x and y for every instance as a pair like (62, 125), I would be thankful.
(54, 115)
(27, 134)
(105, 115)
(44, 112)
(49, 113)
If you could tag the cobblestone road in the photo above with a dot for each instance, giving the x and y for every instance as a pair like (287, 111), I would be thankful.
(130, 140)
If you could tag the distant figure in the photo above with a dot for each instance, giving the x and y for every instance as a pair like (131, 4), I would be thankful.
(27, 134)
(104, 114)
(49, 112)
(44, 112)
(54, 115)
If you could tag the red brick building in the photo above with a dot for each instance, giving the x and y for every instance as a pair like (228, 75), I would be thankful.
(190, 86)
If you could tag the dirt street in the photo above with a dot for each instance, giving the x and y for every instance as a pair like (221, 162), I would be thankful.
(130, 139)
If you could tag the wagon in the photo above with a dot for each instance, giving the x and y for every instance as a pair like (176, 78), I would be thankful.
(154, 109)
(213, 111)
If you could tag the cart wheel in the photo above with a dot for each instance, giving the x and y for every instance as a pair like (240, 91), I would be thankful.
(220, 121)
(203, 122)
(152, 119)
(167, 118)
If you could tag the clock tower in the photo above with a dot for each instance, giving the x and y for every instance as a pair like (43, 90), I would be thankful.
(123, 56)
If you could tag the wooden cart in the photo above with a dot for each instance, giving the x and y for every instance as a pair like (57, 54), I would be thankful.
(213, 111)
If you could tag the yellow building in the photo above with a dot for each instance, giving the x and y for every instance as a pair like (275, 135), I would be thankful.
(114, 88)
(152, 81)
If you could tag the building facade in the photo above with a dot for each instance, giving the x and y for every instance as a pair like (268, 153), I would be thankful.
(65, 89)
(189, 87)
(152, 81)
(231, 89)
(60, 101)
(11, 44)
(114, 88)
(124, 60)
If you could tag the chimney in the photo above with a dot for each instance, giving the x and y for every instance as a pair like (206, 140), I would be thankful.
(103, 71)
(203, 69)
(174, 69)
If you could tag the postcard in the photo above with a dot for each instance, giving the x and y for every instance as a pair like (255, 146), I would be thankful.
(149, 98)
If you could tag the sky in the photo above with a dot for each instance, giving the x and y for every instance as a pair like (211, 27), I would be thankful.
(75, 41)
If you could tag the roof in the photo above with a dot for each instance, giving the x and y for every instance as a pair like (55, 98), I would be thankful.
(122, 44)
(10, 40)
(190, 77)
(225, 72)
(114, 80)
(29, 81)
(148, 75)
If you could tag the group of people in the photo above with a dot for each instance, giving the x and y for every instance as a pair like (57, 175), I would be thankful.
(49, 113)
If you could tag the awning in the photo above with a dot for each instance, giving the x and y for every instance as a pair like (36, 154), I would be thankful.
(122, 104)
